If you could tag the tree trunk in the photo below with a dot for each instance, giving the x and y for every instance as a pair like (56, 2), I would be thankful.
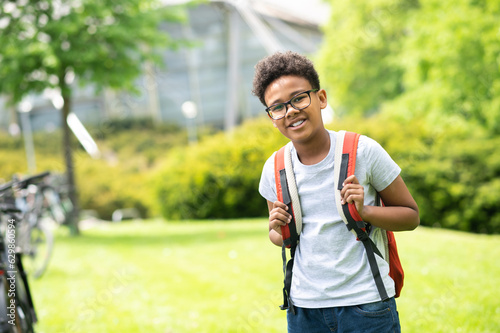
(68, 158)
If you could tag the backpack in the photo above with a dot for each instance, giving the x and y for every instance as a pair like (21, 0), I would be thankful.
(344, 166)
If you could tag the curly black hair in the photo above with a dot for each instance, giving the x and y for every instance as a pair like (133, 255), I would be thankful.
(280, 64)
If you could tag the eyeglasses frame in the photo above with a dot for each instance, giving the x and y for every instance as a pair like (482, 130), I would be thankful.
(290, 103)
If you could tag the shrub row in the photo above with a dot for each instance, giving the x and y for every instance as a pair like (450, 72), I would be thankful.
(219, 177)
(452, 170)
(120, 179)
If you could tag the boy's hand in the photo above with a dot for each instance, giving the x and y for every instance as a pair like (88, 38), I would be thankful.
(353, 192)
(279, 216)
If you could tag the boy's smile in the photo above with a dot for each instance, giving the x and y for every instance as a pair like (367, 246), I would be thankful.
(297, 123)
(300, 126)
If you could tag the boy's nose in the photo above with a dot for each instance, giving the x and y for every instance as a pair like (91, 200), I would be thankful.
(290, 109)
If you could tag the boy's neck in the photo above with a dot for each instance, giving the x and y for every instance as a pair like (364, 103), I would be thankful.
(313, 151)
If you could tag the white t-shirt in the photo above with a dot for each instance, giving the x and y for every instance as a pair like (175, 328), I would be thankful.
(330, 267)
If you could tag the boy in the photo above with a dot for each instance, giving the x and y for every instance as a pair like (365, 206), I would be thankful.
(333, 289)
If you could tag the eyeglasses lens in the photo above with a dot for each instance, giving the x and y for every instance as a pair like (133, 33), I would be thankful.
(298, 102)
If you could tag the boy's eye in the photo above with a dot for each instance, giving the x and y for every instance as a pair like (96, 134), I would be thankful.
(277, 108)
(298, 99)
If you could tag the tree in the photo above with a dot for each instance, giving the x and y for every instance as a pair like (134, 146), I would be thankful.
(451, 63)
(46, 43)
(428, 59)
(431, 70)
(358, 59)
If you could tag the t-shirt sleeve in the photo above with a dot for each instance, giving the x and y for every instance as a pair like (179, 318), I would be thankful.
(267, 185)
(381, 167)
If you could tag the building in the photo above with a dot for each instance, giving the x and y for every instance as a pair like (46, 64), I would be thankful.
(214, 76)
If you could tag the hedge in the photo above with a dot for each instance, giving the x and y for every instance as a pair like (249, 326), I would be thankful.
(120, 179)
(219, 177)
(452, 169)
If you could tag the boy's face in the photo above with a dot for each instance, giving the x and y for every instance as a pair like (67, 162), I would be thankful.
(300, 126)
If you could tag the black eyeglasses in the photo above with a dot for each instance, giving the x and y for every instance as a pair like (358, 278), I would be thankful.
(300, 101)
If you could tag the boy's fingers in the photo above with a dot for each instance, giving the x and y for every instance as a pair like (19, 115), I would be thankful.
(350, 192)
(279, 204)
(351, 179)
(281, 216)
(276, 222)
(353, 191)
(351, 198)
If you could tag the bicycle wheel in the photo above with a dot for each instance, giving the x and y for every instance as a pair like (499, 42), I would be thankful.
(17, 315)
(24, 302)
(38, 249)
(7, 324)
(53, 205)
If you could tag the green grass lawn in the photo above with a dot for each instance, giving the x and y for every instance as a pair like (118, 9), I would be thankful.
(217, 277)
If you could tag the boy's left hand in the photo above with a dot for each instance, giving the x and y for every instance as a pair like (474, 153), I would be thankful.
(353, 192)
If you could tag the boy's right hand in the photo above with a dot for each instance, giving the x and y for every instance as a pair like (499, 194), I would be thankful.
(278, 216)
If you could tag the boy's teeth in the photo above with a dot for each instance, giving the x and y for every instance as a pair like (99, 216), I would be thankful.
(297, 123)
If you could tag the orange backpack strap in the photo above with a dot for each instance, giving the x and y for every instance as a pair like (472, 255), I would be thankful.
(395, 268)
(396, 271)
(345, 156)
(347, 167)
(289, 231)
(279, 164)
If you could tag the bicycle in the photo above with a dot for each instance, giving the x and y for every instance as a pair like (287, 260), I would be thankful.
(57, 195)
(17, 311)
(42, 211)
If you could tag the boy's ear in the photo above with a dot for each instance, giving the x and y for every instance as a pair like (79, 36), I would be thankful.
(322, 98)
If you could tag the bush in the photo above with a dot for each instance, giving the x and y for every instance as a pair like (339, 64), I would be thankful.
(121, 179)
(219, 177)
(105, 187)
(452, 169)
(118, 180)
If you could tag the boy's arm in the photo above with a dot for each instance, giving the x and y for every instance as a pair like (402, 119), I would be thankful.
(400, 212)
(278, 216)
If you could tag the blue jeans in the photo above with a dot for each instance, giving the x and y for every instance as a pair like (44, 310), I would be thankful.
(378, 317)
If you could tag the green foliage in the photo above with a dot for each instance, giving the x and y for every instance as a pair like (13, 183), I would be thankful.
(102, 42)
(451, 169)
(114, 125)
(120, 179)
(358, 59)
(428, 59)
(11, 164)
(105, 187)
(139, 138)
(451, 63)
(432, 69)
(13, 157)
(46, 44)
(219, 177)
